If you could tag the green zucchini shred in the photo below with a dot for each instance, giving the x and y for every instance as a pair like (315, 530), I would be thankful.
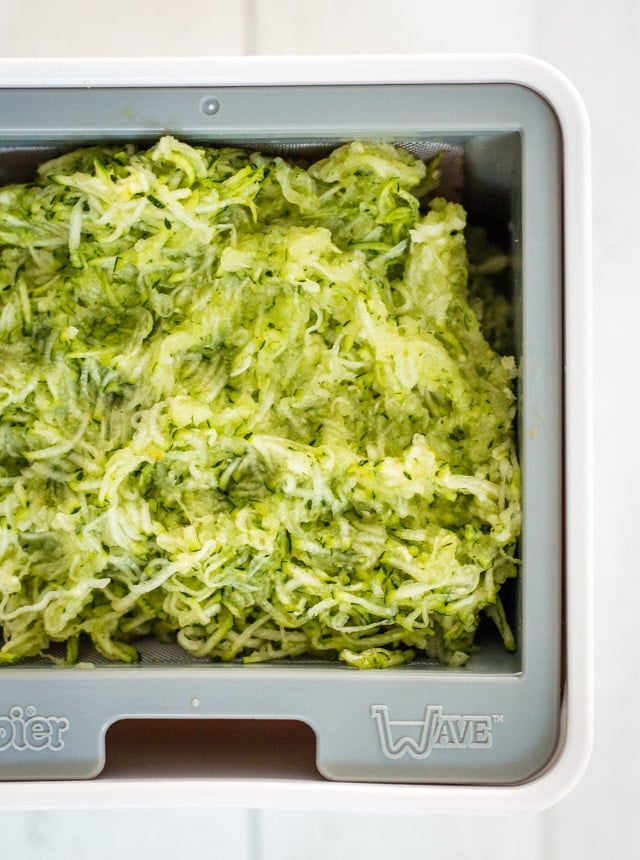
(247, 406)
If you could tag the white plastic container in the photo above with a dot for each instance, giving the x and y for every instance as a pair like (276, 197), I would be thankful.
(519, 727)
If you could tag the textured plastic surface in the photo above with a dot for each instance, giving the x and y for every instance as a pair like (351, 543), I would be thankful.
(498, 720)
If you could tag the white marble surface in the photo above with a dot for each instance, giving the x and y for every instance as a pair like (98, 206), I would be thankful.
(596, 44)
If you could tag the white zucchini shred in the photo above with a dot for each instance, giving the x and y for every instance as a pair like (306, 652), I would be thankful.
(247, 406)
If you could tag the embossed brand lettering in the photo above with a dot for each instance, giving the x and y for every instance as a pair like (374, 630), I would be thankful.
(24, 729)
(436, 730)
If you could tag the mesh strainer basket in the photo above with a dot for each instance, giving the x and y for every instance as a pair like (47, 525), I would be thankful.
(513, 138)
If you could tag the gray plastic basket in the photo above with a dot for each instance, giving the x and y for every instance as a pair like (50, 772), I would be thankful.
(495, 721)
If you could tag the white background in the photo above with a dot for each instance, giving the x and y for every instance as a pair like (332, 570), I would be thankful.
(597, 44)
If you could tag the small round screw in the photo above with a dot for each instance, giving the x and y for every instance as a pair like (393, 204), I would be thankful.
(209, 106)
